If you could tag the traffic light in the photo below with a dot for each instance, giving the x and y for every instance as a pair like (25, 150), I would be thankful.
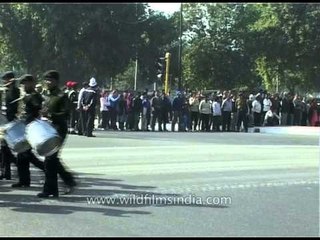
(161, 67)
(166, 81)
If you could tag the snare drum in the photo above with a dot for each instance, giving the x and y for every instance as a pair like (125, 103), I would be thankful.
(3, 122)
(43, 137)
(15, 136)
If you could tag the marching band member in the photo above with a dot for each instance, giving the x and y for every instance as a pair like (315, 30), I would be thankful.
(57, 112)
(32, 102)
(11, 94)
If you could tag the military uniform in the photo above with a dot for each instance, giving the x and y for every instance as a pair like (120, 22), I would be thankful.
(32, 104)
(11, 94)
(58, 112)
(73, 100)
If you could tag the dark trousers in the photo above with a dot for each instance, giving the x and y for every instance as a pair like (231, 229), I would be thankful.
(164, 119)
(242, 117)
(186, 121)
(210, 121)
(297, 117)
(121, 126)
(216, 122)
(6, 159)
(53, 167)
(156, 116)
(136, 117)
(113, 117)
(226, 120)
(262, 115)
(130, 121)
(89, 117)
(290, 119)
(304, 118)
(194, 120)
(105, 119)
(177, 118)
(81, 122)
(270, 121)
(23, 166)
(256, 119)
(205, 122)
(73, 119)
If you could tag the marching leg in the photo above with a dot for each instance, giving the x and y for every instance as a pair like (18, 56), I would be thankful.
(51, 177)
(23, 167)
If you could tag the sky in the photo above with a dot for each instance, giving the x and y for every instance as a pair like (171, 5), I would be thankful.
(167, 7)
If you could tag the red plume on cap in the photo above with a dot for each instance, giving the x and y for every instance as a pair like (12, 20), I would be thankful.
(68, 84)
(73, 84)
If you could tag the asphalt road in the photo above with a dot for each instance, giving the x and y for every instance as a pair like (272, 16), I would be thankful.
(175, 184)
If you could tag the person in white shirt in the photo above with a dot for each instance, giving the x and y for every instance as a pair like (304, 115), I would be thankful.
(256, 110)
(217, 114)
(271, 117)
(250, 101)
(205, 111)
(104, 110)
(194, 109)
(267, 104)
(80, 122)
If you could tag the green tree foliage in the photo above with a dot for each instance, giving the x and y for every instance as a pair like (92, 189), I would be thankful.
(218, 40)
(125, 80)
(225, 45)
(80, 40)
(253, 44)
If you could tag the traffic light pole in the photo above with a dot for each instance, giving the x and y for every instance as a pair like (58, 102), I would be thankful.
(136, 74)
(136, 44)
(166, 82)
(180, 51)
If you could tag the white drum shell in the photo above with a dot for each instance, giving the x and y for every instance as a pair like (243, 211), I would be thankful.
(15, 136)
(43, 137)
(3, 122)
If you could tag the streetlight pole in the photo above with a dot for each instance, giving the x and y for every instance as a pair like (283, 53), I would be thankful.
(136, 40)
(180, 50)
(136, 73)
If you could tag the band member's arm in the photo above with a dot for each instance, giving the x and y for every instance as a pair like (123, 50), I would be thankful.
(12, 109)
(80, 98)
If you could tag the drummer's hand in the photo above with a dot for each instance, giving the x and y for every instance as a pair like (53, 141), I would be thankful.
(44, 112)
(44, 109)
(2, 132)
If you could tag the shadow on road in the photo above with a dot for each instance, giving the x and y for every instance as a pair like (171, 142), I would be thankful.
(32, 204)
(114, 194)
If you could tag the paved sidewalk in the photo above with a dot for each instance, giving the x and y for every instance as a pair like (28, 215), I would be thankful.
(296, 130)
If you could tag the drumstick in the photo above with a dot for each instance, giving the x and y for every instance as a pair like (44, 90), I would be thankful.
(16, 100)
(2, 161)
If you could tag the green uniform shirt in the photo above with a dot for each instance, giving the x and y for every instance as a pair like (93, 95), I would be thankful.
(57, 103)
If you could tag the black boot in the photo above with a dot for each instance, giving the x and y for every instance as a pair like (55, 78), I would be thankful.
(18, 185)
(47, 195)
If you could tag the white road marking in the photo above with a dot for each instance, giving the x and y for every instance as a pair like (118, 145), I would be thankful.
(197, 188)
(187, 146)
